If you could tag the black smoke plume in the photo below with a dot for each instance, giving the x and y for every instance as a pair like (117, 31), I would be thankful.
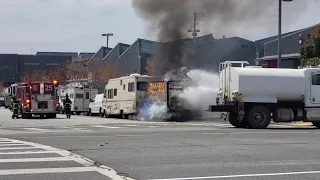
(171, 19)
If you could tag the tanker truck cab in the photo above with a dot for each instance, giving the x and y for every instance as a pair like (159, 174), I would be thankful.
(252, 96)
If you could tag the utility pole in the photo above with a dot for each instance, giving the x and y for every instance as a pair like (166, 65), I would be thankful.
(108, 35)
(194, 32)
(279, 30)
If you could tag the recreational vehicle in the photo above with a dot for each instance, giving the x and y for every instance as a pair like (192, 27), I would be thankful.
(80, 98)
(123, 96)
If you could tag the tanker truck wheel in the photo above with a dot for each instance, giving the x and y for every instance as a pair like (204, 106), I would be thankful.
(316, 124)
(233, 119)
(259, 117)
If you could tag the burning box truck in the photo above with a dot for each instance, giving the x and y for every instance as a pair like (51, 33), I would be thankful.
(253, 96)
(169, 93)
(36, 98)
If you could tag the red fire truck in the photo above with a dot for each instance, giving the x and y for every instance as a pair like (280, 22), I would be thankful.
(36, 98)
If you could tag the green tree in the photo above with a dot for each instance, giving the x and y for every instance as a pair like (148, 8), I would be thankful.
(310, 50)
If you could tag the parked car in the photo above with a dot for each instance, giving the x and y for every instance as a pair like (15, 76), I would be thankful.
(95, 106)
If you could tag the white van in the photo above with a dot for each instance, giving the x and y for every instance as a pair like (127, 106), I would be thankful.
(123, 96)
(81, 97)
(95, 107)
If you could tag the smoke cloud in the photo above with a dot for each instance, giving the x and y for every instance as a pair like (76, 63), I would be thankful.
(171, 20)
(202, 93)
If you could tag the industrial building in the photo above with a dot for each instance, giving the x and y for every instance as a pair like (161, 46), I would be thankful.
(13, 66)
(209, 52)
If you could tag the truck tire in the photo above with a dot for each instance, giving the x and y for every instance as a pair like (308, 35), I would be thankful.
(316, 124)
(259, 117)
(233, 120)
(78, 113)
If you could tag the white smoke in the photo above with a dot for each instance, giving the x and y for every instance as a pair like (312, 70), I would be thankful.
(199, 95)
(204, 92)
(154, 112)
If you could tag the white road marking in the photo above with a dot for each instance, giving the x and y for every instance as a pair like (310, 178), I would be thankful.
(244, 175)
(81, 129)
(46, 170)
(35, 159)
(10, 144)
(67, 156)
(137, 135)
(28, 152)
(109, 127)
(13, 148)
(212, 133)
(289, 132)
(41, 130)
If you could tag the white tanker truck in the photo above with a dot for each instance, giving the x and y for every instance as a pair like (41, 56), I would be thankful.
(251, 96)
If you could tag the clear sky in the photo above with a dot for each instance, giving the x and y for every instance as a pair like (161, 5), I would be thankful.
(28, 26)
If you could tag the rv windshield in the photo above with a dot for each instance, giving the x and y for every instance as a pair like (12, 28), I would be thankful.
(142, 86)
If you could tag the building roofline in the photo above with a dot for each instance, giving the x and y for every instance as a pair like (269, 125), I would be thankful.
(139, 39)
(102, 47)
(283, 56)
(117, 46)
(129, 47)
(293, 33)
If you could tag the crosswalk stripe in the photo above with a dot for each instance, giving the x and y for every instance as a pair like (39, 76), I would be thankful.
(11, 144)
(27, 152)
(35, 159)
(88, 165)
(13, 148)
(46, 170)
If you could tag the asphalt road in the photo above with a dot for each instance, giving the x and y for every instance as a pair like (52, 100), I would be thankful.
(98, 148)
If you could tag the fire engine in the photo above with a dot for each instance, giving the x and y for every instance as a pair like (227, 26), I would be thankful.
(36, 98)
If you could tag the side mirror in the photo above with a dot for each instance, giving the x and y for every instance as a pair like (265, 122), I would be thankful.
(91, 100)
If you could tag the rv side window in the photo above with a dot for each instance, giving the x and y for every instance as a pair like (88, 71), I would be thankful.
(115, 92)
(316, 79)
(124, 87)
(105, 93)
(79, 96)
(120, 82)
(71, 96)
(87, 95)
(110, 93)
(142, 86)
(131, 87)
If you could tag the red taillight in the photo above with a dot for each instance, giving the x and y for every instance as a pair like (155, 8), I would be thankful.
(27, 103)
(31, 110)
(57, 105)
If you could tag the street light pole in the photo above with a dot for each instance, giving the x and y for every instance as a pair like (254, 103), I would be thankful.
(194, 31)
(279, 30)
(107, 35)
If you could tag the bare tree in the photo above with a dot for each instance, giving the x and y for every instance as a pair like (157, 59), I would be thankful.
(150, 67)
